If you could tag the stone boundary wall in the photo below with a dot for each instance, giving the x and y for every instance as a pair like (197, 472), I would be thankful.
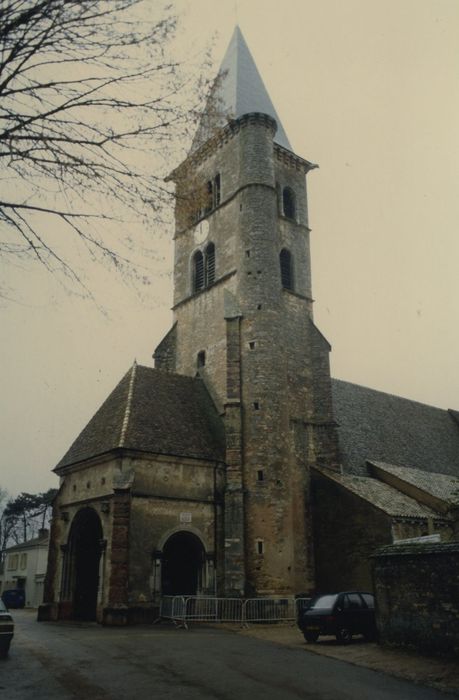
(417, 596)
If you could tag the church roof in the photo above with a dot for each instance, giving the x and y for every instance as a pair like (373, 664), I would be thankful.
(154, 412)
(442, 486)
(377, 426)
(382, 496)
(238, 90)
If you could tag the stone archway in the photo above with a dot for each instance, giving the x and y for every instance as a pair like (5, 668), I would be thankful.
(84, 551)
(183, 565)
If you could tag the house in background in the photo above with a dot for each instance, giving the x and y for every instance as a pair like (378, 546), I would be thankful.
(25, 567)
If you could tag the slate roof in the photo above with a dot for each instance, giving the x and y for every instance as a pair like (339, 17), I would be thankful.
(155, 412)
(377, 426)
(441, 486)
(381, 495)
(238, 90)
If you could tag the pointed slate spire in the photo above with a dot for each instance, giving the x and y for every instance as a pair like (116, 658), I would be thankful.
(238, 90)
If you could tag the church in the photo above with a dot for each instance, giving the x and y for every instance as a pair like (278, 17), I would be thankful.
(237, 466)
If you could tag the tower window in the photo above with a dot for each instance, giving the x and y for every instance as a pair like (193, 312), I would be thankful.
(217, 187)
(288, 203)
(198, 271)
(260, 546)
(210, 264)
(252, 345)
(201, 359)
(260, 475)
(209, 198)
(286, 268)
(256, 406)
(203, 268)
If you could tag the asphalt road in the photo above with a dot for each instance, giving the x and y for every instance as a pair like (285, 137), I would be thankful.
(69, 660)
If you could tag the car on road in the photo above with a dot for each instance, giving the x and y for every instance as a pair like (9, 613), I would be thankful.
(340, 614)
(6, 629)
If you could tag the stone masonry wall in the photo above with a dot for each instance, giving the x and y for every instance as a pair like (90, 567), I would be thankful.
(417, 596)
(165, 489)
(279, 355)
(347, 531)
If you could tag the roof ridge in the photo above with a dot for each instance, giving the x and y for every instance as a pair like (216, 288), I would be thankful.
(127, 412)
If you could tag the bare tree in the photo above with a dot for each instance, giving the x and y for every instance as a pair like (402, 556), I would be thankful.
(91, 103)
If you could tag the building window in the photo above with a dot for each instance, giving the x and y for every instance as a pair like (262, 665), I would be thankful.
(286, 268)
(198, 271)
(217, 189)
(23, 561)
(209, 198)
(203, 268)
(210, 264)
(260, 546)
(288, 203)
(12, 562)
(260, 475)
(256, 406)
(201, 359)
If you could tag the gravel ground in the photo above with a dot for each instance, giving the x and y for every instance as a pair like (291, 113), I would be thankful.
(442, 674)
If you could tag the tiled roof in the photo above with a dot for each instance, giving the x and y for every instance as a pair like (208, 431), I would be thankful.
(378, 426)
(381, 495)
(156, 412)
(415, 549)
(442, 486)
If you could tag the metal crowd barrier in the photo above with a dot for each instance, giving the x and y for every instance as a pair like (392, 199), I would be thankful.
(184, 609)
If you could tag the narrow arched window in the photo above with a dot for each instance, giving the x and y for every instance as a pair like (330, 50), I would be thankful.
(286, 268)
(288, 203)
(217, 182)
(209, 198)
(198, 271)
(210, 264)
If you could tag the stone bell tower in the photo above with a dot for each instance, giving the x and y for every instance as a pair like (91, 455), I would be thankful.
(243, 321)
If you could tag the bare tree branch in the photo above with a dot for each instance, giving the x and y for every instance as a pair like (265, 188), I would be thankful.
(89, 95)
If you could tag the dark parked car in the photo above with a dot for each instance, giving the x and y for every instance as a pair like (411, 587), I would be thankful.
(14, 598)
(6, 629)
(340, 614)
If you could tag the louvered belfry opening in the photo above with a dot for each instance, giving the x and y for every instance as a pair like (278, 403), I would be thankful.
(210, 264)
(286, 269)
(198, 271)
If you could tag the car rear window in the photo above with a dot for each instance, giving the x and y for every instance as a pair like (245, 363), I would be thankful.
(353, 601)
(324, 601)
(369, 600)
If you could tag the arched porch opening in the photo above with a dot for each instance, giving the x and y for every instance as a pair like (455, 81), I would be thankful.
(81, 572)
(183, 565)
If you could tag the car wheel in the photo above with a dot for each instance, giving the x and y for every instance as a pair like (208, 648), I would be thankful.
(311, 637)
(344, 635)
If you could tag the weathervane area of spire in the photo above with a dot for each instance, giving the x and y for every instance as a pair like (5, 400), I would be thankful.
(237, 90)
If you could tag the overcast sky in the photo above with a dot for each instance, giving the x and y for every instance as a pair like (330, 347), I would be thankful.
(369, 90)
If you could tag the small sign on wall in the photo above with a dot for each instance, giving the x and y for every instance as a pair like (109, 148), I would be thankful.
(185, 517)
